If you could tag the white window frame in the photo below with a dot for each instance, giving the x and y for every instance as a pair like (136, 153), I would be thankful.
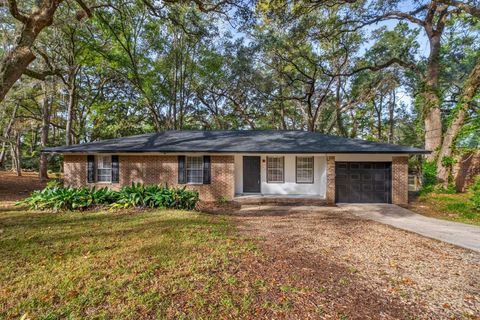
(309, 169)
(272, 168)
(189, 171)
(106, 177)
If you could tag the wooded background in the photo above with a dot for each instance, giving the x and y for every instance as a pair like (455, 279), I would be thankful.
(404, 72)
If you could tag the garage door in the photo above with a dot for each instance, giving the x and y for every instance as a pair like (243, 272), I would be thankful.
(367, 182)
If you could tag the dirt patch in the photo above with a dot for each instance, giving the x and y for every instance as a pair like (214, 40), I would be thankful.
(360, 269)
(15, 188)
(217, 207)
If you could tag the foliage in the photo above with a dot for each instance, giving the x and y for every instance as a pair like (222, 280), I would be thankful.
(429, 170)
(475, 189)
(58, 198)
(136, 195)
(430, 181)
(135, 67)
(55, 183)
(456, 207)
(448, 161)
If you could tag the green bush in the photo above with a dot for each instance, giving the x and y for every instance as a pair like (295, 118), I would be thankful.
(59, 198)
(55, 183)
(430, 182)
(136, 195)
(429, 169)
(475, 189)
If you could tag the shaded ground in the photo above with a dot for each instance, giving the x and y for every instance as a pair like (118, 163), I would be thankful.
(455, 207)
(363, 269)
(272, 263)
(14, 188)
(152, 264)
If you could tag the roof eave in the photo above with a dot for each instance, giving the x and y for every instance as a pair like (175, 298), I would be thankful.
(240, 151)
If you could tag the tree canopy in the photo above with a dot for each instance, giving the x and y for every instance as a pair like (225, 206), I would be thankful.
(73, 71)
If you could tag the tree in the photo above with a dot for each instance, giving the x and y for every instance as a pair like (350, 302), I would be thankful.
(15, 62)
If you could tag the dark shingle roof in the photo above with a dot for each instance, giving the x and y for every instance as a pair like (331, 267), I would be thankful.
(267, 141)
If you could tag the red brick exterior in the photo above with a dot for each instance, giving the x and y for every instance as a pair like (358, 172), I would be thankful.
(153, 169)
(400, 180)
(330, 180)
(162, 169)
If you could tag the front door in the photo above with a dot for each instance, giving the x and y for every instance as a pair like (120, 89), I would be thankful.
(251, 174)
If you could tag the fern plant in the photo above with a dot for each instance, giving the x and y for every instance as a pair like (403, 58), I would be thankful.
(136, 195)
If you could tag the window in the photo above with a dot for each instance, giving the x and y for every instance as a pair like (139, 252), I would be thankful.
(304, 169)
(275, 169)
(104, 169)
(194, 168)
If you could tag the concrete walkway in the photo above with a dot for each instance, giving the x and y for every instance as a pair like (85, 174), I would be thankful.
(462, 235)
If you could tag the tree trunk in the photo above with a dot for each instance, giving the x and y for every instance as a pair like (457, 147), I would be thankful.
(469, 90)
(16, 155)
(43, 167)
(71, 107)
(431, 101)
(6, 134)
(391, 114)
(15, 62)
(2, 155)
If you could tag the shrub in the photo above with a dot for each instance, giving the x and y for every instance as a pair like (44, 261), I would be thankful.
(475, 189)
(429, 169)
(136, 195)
(55, 183)
(430, 182)
(59, 198)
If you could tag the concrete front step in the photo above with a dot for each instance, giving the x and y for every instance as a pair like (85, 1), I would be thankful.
(280, 200)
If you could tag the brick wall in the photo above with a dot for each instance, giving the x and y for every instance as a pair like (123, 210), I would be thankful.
(330, 180)
(75, 170)
(399, 180)
(153, 169)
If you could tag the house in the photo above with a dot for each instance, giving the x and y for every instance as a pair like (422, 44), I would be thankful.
(225, 164)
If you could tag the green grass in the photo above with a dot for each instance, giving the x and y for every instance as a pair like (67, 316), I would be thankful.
(454, 207)
(152, 264)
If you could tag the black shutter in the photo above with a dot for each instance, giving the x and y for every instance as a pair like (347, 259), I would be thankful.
(206, 170)
(90, 169)
(182, 176)
(115, 174)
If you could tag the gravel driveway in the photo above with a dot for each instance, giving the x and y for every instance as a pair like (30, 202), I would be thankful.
(360, 269)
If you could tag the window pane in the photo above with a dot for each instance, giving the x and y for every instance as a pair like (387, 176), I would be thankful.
(275, 169)
(305, 169)
(104, 169)
(194, 169)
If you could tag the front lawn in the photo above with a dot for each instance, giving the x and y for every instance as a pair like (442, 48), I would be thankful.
(151, 264)
(455, 207)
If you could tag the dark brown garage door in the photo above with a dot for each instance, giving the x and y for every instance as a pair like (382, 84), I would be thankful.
(367, 182)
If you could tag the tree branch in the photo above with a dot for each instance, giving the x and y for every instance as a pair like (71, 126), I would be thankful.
(382, 66)
(474, 11)
(40, 75)
(12, 4)
(403, 15)
(85, 8)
